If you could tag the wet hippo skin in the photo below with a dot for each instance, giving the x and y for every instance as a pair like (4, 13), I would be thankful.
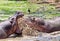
(10, 26)
(43, 25)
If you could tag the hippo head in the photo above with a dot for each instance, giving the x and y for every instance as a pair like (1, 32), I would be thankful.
(36, 23)
(40, 21)
(19, 14)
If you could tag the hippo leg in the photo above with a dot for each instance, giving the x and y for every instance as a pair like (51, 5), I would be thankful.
(17, 33)
(2, 34)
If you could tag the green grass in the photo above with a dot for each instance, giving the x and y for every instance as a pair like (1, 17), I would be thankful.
(10, 7)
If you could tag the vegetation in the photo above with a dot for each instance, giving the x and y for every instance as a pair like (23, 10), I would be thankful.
(17, 0)
(7, 8)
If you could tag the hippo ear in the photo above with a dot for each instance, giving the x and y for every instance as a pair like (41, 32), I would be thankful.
(12, 19)
(33, 18)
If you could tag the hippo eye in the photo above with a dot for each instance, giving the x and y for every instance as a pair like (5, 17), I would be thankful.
(12, 19)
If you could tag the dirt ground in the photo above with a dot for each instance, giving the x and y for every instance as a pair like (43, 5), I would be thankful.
(44, 37)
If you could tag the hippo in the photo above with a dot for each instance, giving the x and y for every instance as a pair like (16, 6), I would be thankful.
(10, 25)
(16, 17)
(44, 25)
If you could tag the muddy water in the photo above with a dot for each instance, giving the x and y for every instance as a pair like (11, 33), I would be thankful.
(44, 37)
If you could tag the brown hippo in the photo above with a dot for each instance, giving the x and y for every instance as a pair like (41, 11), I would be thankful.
(24, 25)
(10, 26)
(42, 25)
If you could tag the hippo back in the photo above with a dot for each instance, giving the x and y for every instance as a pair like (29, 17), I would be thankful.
(6, 25)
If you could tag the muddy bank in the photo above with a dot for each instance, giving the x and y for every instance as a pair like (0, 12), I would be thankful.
(44, 37)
